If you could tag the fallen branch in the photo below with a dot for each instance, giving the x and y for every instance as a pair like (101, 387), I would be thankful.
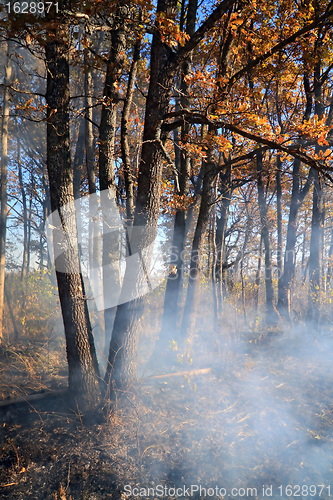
(190, 373)
(30, 397)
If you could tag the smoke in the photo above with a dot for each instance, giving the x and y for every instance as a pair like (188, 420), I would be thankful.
(261, 418)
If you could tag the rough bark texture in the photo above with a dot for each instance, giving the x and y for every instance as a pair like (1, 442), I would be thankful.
(330, 259)
(82, 362)
(107, 133)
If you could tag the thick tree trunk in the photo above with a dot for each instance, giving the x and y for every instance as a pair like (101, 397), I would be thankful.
(107, 134)
(3, 176)
(124, 342)
(82, 361)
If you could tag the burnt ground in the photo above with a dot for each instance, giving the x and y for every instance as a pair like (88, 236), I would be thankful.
(261, 417)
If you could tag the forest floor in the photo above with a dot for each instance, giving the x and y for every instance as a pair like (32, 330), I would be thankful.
(255, 422)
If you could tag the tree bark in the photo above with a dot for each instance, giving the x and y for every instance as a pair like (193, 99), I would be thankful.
(95, 234)
(107, 134)
(81, 355)
(315, 258)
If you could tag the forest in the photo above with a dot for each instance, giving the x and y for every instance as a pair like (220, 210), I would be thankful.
(166, 249)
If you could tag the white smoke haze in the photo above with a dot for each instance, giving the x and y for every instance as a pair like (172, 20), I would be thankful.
(261, 418)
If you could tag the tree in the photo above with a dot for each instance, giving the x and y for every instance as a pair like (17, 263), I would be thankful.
(3, 193)
(164, 63)
(81, 355)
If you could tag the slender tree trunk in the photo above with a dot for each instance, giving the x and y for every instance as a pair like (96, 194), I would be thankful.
(188, 322)
(317, 226)
(297, 197)
(221, 227)
(30, 215)
(279, 250)
(24, 210)
(12, 315)
(285, 280)
(257, 279)
(81, 355)
(46, 211)
(170, 311)
(289, 256)
(271, 314)
(183, 166)
(243, 252)
(214, 259)
(3, 177)
(125, 149)
(315, 259)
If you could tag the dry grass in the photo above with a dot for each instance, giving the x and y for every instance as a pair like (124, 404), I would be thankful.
(32, 366)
